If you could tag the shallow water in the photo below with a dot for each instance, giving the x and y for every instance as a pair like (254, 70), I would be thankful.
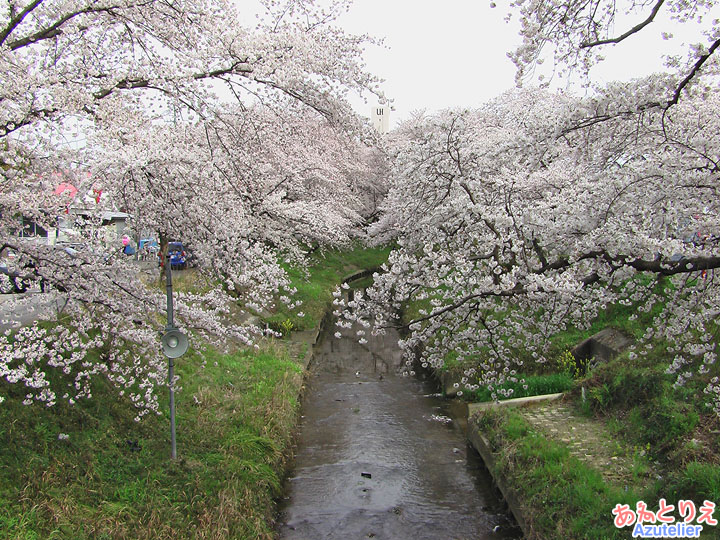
(379, 456)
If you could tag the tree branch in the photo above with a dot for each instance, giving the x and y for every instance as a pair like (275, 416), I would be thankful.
(698, 65)
(634, 30)
(54, 29)
(241, 68)
(659, 267)
(13, 23)
(461, 302)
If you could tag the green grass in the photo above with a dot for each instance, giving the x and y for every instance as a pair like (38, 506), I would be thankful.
(562, 496)
(536, 385)
(666, 432)
(696, 481)
(188, 280)
(362, 283)
(616, 316)
(316, 283)
(640, 398)
(112, 477)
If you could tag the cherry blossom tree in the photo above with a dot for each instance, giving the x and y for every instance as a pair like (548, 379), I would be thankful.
(206, 125)
(538, 210)
(575, 34)
(525, 217)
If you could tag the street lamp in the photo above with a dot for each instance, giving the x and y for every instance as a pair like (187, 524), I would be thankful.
(174, 344)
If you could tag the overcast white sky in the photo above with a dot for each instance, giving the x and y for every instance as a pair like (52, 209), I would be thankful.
(453, 52)
(438, 54)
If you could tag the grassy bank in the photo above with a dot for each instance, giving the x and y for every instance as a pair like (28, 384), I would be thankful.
(316, 282)
(532, 385)
(561, 496)
(667, 434)
(90, 471)
(564, 496)
(642, 407)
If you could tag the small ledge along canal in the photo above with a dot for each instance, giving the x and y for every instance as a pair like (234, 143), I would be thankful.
(379, 455)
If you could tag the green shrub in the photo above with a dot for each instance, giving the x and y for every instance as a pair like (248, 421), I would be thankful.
(536, 385)
(697, 482)
(632, 386)
(616, 385)
(661, 422)
(600, 398)
(573, 367)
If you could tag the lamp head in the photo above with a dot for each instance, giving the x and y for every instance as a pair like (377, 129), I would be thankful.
(174, 343)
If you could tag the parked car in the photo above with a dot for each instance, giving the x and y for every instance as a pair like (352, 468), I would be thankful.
(178, 256)
(21, 277)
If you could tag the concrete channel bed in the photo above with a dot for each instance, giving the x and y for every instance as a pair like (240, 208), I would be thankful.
(475, 437)
(377, 456)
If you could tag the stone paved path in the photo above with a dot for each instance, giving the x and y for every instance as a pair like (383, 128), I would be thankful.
(589, 440)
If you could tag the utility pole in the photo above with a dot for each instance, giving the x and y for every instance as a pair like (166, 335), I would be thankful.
(174, 344)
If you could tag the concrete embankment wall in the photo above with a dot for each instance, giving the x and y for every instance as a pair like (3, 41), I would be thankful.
(480, 443)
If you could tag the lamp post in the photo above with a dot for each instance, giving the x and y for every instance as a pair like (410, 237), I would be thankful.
(174, 344)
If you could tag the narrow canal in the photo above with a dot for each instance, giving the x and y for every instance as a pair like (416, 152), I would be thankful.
(379, 457)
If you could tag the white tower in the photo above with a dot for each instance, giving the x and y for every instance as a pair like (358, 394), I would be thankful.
(380, 118)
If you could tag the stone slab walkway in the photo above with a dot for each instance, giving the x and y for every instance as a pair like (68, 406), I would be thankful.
(589, 440)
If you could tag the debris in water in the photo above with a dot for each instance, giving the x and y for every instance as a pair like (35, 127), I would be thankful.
(366, 475)
(496, 528)
(440, 418)
(456, 450)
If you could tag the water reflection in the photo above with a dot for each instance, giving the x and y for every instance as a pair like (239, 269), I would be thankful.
(377, 458)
